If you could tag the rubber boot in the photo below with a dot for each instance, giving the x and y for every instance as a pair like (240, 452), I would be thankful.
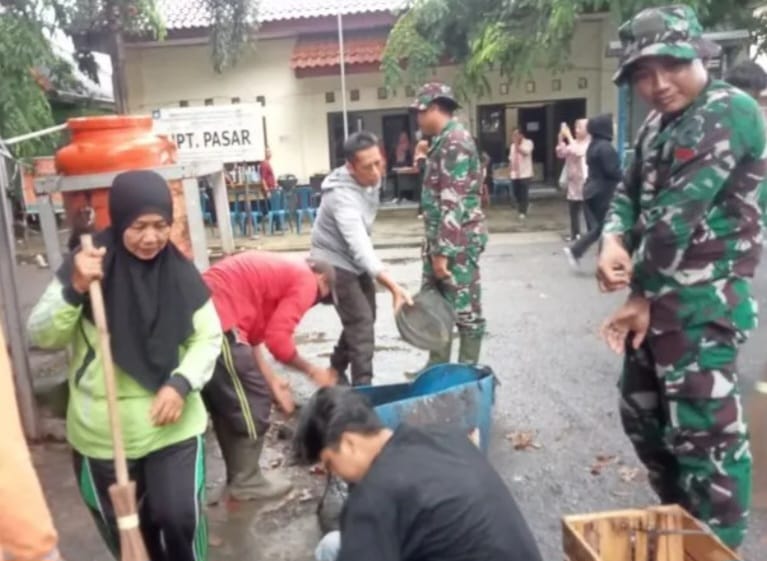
(471, 345)
(245, 478)
(441, 356)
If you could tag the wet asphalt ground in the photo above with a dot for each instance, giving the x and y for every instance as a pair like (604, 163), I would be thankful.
(557, 382)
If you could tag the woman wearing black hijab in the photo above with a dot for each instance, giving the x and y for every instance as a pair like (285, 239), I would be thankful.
(165, 338)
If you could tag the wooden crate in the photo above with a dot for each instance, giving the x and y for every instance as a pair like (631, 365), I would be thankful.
(666, 533)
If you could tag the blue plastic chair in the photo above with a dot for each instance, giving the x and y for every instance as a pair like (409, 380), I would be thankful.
(256, 217)
(237, 212)
(207, 215)
(305, 206)
(277, 210)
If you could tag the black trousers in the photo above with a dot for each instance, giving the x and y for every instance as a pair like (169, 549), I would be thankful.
(356, 306)
(576, 210)
(170, 487)
(238, 394)
(521, 188)
(595, 210)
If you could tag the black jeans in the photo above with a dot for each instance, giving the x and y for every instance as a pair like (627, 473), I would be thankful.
(595, 210)
(170, 484)
(356, 306)
(576, 210)
(521, 189)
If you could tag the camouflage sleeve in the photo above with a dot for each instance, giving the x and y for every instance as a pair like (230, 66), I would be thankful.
(706, 152)
(459, 172)
(623, 209)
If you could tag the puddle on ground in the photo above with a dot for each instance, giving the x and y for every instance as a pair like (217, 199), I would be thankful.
(401, 260)
(312, 337)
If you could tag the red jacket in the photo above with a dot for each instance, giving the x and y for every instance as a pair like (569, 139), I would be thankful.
(263, 296)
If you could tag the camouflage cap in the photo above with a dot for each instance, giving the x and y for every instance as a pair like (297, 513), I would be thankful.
(431, 92)
(672, 31)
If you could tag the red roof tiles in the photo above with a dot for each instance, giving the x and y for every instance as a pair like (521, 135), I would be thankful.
(315, 53)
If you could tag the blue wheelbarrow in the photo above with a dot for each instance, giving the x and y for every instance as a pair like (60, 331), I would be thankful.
(451, 395)
(448, 395)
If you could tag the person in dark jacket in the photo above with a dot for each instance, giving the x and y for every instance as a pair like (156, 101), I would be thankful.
(448, 503)
(748, 76)
(604, 173)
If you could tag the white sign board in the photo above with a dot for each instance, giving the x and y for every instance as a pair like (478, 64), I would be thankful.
(227, 134)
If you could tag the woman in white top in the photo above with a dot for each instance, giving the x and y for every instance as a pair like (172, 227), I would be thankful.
(521, 166)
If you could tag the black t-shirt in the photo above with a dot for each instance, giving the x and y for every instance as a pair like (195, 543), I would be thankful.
(432, 496)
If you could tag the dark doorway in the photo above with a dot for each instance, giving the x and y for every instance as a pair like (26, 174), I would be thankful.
(492, 132)
(532, 121)
(565, 111)
(396, 129)
(356, 123)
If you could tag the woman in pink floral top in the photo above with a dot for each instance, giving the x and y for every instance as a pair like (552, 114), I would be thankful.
(573, 151)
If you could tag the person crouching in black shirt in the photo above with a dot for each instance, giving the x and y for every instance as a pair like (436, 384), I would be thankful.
(416, 493)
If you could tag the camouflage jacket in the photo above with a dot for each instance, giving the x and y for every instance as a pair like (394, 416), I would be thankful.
(451, 194)
(691, 205)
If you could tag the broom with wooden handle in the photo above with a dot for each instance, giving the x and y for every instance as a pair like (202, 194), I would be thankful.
(123, 492)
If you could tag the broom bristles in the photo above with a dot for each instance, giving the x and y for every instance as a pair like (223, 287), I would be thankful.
(131, 541)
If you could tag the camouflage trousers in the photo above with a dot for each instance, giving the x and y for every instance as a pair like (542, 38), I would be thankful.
(681, 407)
(464, 292)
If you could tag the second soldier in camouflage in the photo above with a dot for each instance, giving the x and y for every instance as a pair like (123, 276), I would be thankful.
(454, 223)
(688, 210)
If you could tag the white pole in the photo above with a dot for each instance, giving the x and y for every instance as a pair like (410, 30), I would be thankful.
(341, 62)
(36, 134)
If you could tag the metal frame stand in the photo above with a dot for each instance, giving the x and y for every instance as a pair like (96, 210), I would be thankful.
(186, 173)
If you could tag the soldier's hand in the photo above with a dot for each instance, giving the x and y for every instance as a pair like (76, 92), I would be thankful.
(632, 319)
(615, 266)
(439, 266)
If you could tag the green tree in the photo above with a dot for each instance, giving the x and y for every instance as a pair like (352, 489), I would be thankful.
(515, 36)
(26, 27)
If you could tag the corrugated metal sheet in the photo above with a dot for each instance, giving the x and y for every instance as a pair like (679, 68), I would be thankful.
(188, 14)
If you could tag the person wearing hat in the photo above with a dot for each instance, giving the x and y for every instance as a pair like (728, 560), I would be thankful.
(455, 231)
(683, 235)
(260, 299)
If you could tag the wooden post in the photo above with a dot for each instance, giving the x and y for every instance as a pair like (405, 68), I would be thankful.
(221, 199)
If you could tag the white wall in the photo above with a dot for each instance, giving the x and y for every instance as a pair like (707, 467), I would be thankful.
(296, 111)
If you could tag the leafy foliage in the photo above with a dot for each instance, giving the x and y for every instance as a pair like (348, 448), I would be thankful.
(232, 22)
(515, 36)
(23, 48)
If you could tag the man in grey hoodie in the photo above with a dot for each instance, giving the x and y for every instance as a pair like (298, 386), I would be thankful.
(341, 237)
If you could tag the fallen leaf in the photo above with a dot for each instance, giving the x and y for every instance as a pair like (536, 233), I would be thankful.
(602, 461)
(523, 440)
(628, 474)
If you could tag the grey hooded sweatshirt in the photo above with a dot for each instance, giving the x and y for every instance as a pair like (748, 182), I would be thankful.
(341, 232)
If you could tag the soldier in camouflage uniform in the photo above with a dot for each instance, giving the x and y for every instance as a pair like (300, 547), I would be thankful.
(455, 225)
(688, 210)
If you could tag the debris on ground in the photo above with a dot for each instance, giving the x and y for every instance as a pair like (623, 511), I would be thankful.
(523, 440)
(602, 461)
(628, 474)
(305, 496)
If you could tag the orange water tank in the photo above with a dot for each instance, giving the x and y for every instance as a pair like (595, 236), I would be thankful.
(116, 143)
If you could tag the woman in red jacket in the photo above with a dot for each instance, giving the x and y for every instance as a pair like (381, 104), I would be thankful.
(260, 299)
